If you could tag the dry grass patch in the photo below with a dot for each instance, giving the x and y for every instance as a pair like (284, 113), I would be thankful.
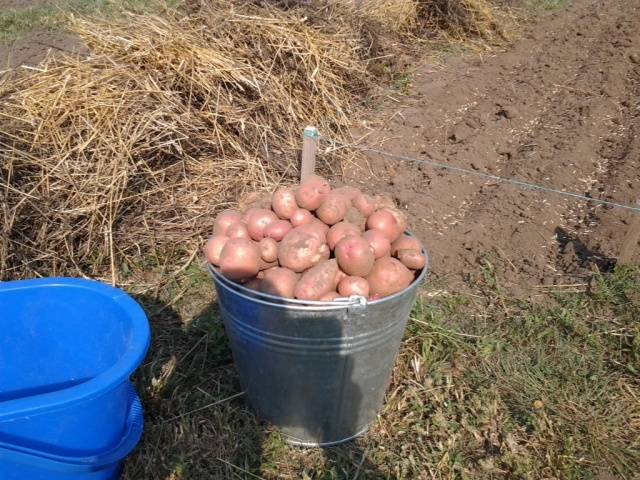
(129, 152)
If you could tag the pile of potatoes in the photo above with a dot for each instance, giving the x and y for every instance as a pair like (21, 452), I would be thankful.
(315, 243)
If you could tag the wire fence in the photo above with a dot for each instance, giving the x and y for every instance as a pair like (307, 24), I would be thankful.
(336, 144)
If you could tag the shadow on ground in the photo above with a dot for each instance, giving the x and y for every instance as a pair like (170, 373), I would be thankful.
(198, 425)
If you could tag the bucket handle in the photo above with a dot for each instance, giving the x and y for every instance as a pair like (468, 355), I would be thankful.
(61, 463)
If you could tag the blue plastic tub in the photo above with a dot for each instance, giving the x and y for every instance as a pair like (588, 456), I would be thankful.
(67, 408)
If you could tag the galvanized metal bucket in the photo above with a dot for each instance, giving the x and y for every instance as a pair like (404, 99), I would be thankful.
(318, 371)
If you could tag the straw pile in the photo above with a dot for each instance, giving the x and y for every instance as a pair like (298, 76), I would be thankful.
(110, 159)
(121, 160)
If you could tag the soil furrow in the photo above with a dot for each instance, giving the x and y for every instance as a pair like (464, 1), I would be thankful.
(555, 108)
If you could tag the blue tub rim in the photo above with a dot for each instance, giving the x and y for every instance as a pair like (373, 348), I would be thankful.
(111, 378)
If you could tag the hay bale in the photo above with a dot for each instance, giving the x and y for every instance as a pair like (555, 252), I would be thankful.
(113, 158)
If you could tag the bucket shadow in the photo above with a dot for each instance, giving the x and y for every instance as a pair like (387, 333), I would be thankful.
(196, 424)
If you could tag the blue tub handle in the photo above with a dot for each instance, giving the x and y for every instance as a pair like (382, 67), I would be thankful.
(61, 463)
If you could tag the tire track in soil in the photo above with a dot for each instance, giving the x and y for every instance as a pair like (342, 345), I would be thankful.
(559, 107)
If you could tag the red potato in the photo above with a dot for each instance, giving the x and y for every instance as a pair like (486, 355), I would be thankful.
(386, 222)
(353, 286)
(340, 230)
(317, 281)
(400, 217)
(329, 297)
(238, 230)
(316, 228)
(300, 250)
(268, 249)
(279, 281)
(340, 276)
(213, 248)
(284, 203)
(412, 259)
(354, 216)
(405, 242)
(301, 217)
(240, 259)
(312, 192)
(224, 219)
(354, 255)
(333, 208)
(365, 204)
(378, 241)
(325, 252)
(388, 276)
(257, 220)
(277, 230)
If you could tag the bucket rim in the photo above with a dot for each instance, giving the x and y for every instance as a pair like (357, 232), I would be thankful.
(105, 381)
(282, 302)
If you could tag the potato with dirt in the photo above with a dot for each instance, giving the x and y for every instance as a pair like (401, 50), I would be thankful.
(405, 242)
(268, 249)
(386, 221)
(238, 230)
(354, 255)
(349, 286)
(317, 281)
(213, 248)
(258, 219)
(378, 241)
(224, 219)
(365, 204)
(301, 216)
(277, 230)
(388, 276)
(340, 230)
(412, 259)
(333, 208)
(312, 192)
(240, 259)
(301, 249)
(279, 281)
(284, 203)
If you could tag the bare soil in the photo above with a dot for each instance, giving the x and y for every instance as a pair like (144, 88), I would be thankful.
(35, 46)
(560, 108)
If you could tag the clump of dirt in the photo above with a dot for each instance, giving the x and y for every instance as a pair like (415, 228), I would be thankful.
(557, 109)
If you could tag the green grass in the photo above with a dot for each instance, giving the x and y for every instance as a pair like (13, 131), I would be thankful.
(15, 23)
(401, 82)
(486, 386)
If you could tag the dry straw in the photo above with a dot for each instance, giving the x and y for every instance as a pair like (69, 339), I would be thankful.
(119, 159)
(133, 149)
